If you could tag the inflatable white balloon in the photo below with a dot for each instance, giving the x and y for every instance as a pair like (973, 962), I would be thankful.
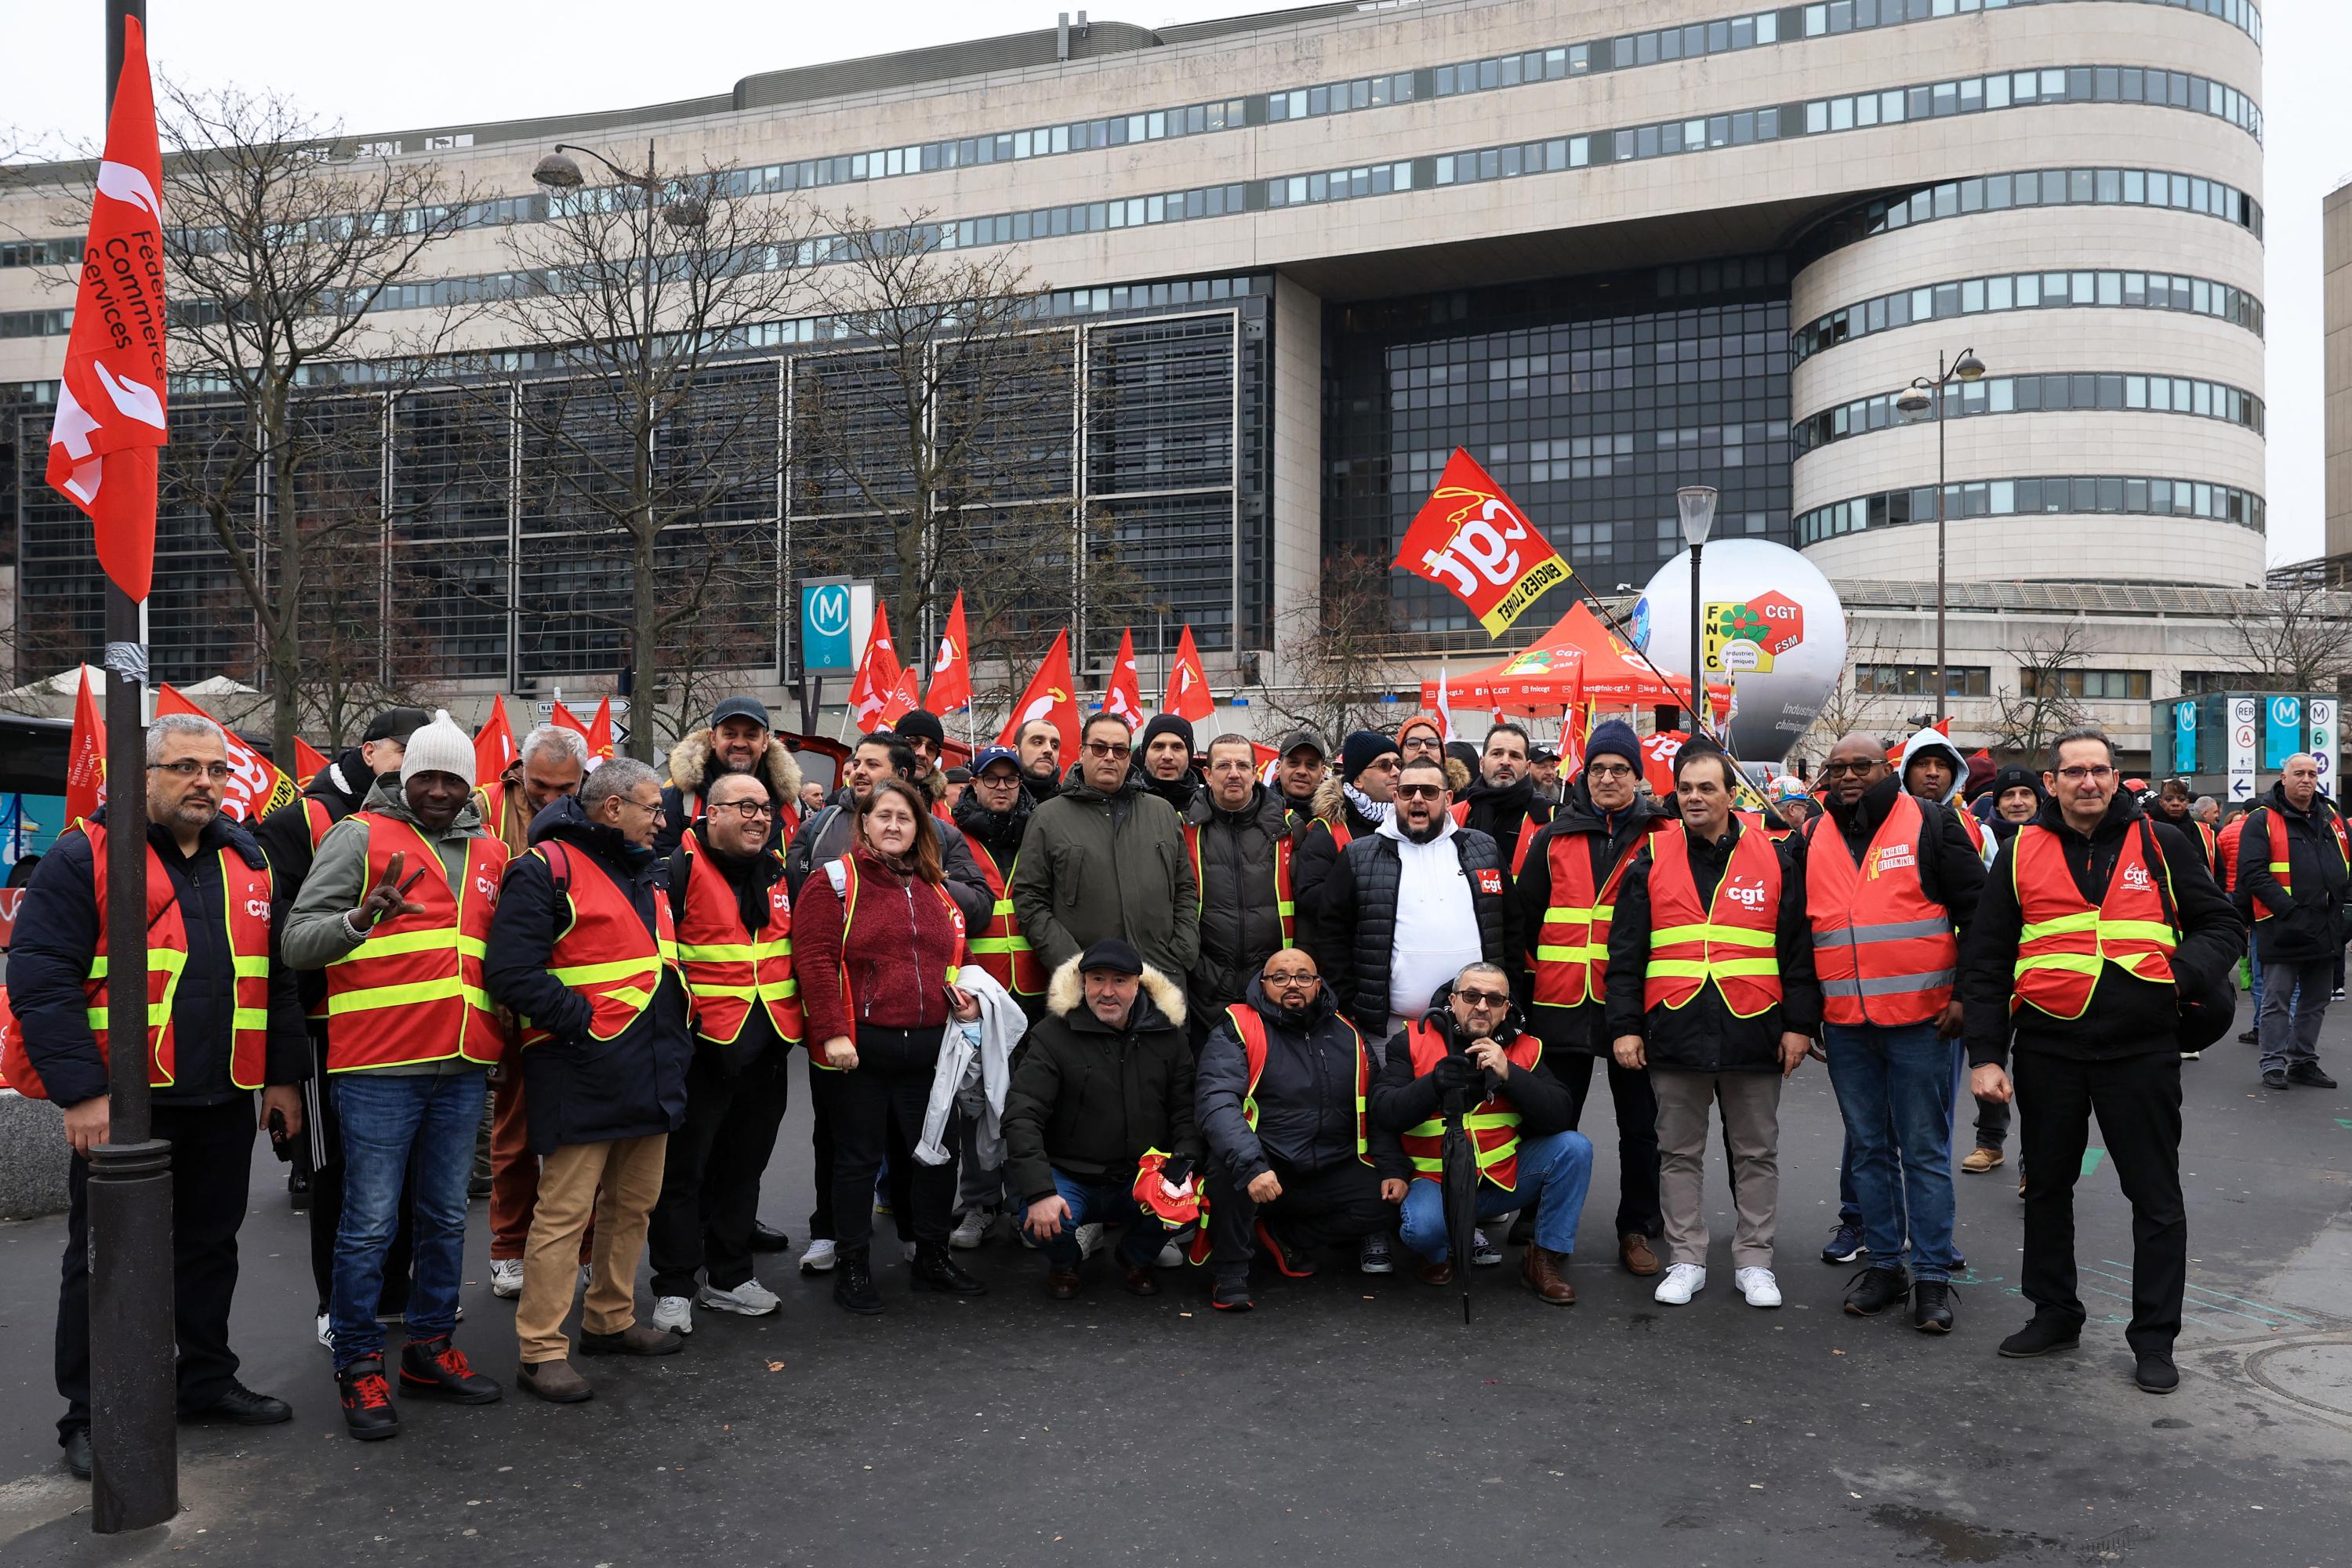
(1783, 633)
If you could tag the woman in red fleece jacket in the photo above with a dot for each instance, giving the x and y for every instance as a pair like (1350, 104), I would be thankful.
(877, 942)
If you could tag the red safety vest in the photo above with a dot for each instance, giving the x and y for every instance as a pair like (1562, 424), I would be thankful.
(1000, 948)
(318, 819)
(1978, 837)
(2283, 864)
(2229, 845)
(1571, 960)
(844, 872)
(1728, 942)
(1884, 952)
(605, 953)
(727, 966)
(2205, 837)
(1285, 898)
(1528, 828)
(246, 896)
(412, 991)
(2065, 942)
(1493, 1125)
(1249, 1027)
(788, 813)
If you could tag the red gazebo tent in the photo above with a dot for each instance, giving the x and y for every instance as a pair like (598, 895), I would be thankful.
(1578, 660)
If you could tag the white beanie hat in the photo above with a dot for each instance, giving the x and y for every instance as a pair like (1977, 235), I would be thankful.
(440, 747)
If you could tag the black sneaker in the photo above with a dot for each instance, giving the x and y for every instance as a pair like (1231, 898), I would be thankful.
(437, 1367)
(1284, 1254)
(1845, 1244)
(1874, 1291)
(367, 1401)
(1931, 1306)
(1230, 1295)
(77, 1448)
(2308, 1074)
(2251, 1038)
(2274, 1078)
(2155, 1373)
(2042, 1334)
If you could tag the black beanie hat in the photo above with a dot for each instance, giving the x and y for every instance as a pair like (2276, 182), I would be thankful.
(918, 725)
(1614, 738)
(1168, 725)
(1361, 750)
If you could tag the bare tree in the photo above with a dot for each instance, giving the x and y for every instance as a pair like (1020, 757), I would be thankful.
(2298, 638)
(1341, 649)
(651, 446)
(284, 252)
(1855, 704)
(2040, 708)
(936, 452)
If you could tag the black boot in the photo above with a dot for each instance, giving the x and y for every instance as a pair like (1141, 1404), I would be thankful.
(935, 1269)
(853, 1283)
(368, 1414)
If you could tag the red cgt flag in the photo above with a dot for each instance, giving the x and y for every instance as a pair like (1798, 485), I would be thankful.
(600, 733)
(86, 757)
(494, 748)
(878, 672)
(1658, 753)
(1473, 540)
(900, 700)
(308, 762)
(110, 416)
(1048, 697)
(951, 670)
(1125, 698)
(1187, 684)
(256, 786)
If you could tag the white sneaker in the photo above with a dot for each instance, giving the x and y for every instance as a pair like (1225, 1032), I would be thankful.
(1683, 1281)
(673, 1314)
(1758, 1285)
(1171, 1255)
(1090, 1241)
(818, 1258)
(971, 1229)
(909, 1249)
(1484, 1254)
(326, 1335)
(505, 1278)
(749, 1299)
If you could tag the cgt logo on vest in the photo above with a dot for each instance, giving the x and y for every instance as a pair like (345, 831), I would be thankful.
(1750, 898)
(1490, 880)
(487, 887)
(2136, 878)
(258, 908)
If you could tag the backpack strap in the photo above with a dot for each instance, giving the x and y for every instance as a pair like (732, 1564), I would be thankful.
(559, 866)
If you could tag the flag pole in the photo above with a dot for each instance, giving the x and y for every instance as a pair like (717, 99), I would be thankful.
(134, 1434)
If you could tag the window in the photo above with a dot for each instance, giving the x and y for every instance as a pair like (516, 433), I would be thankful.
(2091, 685)
(1919, 679)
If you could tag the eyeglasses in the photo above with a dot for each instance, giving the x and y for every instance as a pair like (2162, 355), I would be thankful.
(188, 768)
(1609, 770)
(2095, 773)
(1861, 769)
(1484, 998)
(1385, 765)
(1108, 749)
(749, 810)
(1420, 744)
(652, 808)
(1289, 978)
(1420, 792)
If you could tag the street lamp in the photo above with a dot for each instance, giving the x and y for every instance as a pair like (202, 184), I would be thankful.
(1926, 398)
(1697, 503)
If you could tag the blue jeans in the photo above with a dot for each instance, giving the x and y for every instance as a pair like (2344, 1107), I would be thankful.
(1895, 1089)
(390, 1120)
(1106, 1203)
(1554, 1171)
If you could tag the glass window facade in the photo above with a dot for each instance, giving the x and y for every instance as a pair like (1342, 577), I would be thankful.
(2109, 287)
(2093, 685)
(2029, 188)
(2050, 394)
(1919, 679)
(1590, 399)
(2015, 498)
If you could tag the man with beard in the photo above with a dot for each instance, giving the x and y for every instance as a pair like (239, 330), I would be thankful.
(1502, 801)
(1354, 800)
(993, 815)
(1040, 746)
(741, 739)
(1293, 1167)
(1543, 764)
(2172, 805)
(1166, 760)
(1565, 894)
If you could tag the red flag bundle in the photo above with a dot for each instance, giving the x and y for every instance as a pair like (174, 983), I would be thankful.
(898, 701)
(1473, 540)
(951, 670)
(600, 733)
(308, 762)
(878, 673)
(1187, 684)
(494, 748)
(256, 786)
(1125, 698)
(1048, 697)
(1658, 754)
(110, 416)
(86, 759)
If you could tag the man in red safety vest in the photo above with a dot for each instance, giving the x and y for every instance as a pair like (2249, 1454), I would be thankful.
(2294, 866)
(2094, 925)
(1889, 881)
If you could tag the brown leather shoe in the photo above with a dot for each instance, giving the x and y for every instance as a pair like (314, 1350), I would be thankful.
(553, 1381)
(1140, 1280)
(1540, 1271)
(1061, 1283)
(637, 1339)
(1633, 1252)
(1980, 1160)
(1438, 1273)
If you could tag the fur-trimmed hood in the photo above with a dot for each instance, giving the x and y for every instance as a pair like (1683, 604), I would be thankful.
(689, 762)
(1065, 996)
(1328, 798)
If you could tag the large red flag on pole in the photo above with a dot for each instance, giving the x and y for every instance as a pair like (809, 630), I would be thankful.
(1125, 697)
(494, 748)
(951, 670)
(308, 762)
(1048, 697)
(600, 733)
(1187, 684)
(878, 672)
(1473, 540)
(899, 700)
(85, 755)
(110, 416)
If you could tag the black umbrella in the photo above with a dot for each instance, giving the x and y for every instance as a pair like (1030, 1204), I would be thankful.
(1460, 1158)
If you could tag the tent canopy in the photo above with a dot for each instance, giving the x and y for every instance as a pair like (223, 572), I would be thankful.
(1578, 660)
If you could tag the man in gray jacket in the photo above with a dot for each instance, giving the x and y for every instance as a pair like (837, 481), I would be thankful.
(1105, 859)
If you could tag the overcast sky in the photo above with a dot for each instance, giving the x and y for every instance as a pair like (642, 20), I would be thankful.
(429, 62)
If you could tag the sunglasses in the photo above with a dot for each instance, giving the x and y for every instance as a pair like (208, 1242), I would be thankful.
(1108, 749)
(1484, 998)
(1420, 792)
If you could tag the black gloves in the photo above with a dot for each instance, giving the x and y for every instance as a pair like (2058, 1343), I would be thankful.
(1457, 1075)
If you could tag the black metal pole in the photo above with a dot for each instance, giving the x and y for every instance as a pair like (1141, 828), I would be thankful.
(1697, 703)
(136, 1463)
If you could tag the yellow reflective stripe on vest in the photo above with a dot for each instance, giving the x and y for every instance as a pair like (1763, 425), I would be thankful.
(439, 989)
(578, 974)
(432, 939)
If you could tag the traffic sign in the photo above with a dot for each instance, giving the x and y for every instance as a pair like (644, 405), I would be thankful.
(2245, 715)
(837, 613)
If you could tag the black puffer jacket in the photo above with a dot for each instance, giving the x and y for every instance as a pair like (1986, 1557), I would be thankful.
(581, 1090)
(1356, 937)
(2126, 1017)
(1092, 1099)
(2307, 924)
(1306, 1099)
(1605, 841)
(1504, 811)
(1241, 923)
(1316, 848)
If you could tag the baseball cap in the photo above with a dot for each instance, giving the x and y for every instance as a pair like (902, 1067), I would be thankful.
(750, 708)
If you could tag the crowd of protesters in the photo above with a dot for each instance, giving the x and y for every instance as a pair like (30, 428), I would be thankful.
(1160, 999)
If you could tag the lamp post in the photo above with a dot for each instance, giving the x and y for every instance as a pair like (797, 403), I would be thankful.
(1923, 396)
(1697, 503)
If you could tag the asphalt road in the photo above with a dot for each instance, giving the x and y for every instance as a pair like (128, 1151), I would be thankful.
(1347, 1420)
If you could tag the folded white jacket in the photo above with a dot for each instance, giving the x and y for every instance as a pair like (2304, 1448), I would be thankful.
(972, 1073)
